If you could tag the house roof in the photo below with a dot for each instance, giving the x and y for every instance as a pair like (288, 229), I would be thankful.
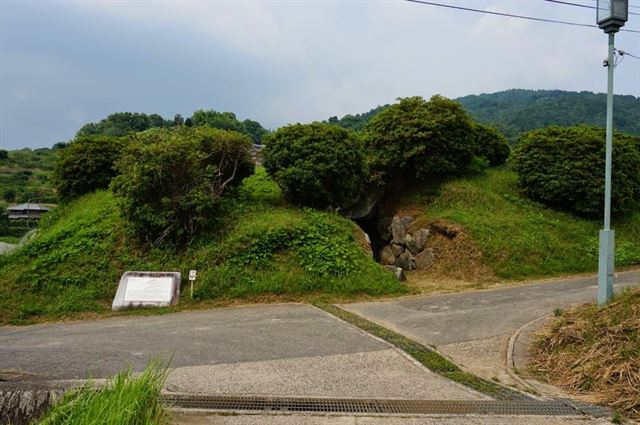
(29, 207)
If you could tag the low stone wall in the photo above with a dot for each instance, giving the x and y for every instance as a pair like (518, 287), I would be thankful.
(20, 407)
(406, 250)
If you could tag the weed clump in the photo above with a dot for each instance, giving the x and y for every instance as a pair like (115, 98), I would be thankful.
(126, 400)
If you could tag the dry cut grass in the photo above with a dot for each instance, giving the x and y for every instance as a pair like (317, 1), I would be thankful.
(596, 352)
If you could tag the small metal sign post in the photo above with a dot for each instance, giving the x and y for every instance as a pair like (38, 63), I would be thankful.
(192, 278)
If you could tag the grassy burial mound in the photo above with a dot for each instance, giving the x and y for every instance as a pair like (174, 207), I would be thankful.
(264, 250)
(482, 228)
(595, 352)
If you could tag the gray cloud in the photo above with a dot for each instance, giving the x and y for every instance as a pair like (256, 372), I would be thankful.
(65, 63)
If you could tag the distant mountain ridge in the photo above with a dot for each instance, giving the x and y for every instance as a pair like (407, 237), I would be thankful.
(516, 111)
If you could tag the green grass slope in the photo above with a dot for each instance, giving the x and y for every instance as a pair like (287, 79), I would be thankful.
(264, 249)
(520, 239)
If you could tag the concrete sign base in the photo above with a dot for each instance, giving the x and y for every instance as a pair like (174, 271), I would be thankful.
(147, 289)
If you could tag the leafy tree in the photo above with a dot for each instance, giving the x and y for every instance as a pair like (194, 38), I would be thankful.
(356, 122)
(4, 154)
(317, 165)
(564, 168)
(156, 120)
(118, 124)
(215, 119)
(178, 120)
(228, 121)
(490, 144)
(255, 130)
(418, 139)
(172, 182)
(86, 165)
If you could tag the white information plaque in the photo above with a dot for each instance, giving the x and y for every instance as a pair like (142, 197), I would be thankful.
(147, 289)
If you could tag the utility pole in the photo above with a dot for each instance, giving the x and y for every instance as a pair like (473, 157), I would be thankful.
(611, 16)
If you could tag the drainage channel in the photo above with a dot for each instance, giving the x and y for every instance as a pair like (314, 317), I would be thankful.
(558, 407)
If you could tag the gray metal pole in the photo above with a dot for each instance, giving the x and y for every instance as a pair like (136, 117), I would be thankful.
(606, 258)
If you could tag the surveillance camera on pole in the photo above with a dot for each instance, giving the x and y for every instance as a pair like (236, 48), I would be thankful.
(611, 16)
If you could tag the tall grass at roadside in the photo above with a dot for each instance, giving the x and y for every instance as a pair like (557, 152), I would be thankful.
(596, 351)
(125, 400)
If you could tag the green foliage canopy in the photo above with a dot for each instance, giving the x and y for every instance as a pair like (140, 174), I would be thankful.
(564, 168)
(171, 182)
(517, 111)
(317, 165)
(490, 144)
(358, 121)
(228, 121)
(415, 138)
(86, 165)
(123, 123)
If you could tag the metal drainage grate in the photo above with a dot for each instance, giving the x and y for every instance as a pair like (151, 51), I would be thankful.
(355, 405)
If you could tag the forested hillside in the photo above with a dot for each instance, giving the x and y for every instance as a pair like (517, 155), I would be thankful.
(516, 111)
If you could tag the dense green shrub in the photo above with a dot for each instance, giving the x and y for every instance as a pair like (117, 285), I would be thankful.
(317, 165)
(171, 182)
(490, 144)
(86, 165)
(564, 168)
(417, 139)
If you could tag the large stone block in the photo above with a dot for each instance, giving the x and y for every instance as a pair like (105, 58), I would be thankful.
(386, 256)
(147, 289)
(397, 272)
(405, 261)
(399, 227)
(418, 241)
(424, 259)
(397, 249)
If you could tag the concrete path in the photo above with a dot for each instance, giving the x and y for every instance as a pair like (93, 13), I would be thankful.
(287, 349)
(195, 419)
(474, 328)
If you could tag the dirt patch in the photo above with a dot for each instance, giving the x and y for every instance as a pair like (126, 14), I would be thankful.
(457, 257)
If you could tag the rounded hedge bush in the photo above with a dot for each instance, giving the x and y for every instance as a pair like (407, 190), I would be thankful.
(564, 168)
(172, 181)
(317, 165)
(86, 165)
(418, 139)
(490, 144)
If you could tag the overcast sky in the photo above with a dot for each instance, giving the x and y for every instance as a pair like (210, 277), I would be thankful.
(65, 63)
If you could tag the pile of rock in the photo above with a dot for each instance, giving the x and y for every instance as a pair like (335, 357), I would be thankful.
(405, 250)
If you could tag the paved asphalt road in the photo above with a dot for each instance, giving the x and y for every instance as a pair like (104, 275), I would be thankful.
(286, 349)
(232, 335)
(473, 328)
